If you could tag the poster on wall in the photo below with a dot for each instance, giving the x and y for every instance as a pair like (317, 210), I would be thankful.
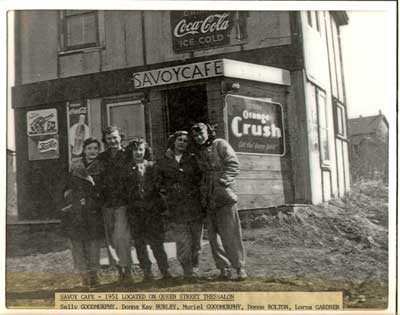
(255, 126)
(42, 122)
(197, 30)
(43, 147)
(78, 128)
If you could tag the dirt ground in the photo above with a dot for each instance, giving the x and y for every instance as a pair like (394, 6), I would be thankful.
(340, 246)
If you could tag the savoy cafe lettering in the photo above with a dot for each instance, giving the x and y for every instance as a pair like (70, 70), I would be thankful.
(188, 72)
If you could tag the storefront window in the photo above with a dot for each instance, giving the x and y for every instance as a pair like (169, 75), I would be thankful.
(80, 29)
(129, 116)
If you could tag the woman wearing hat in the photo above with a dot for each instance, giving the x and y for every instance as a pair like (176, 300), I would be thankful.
(179, 179)
(145, 208)
(220, 166)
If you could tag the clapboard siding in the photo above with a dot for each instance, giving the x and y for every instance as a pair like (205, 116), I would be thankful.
(257, 174)
(260, 162)
(252, 201)
(263, 186)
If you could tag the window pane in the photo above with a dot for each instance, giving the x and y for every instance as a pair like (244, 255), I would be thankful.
(340, 120)
(130, 118)
(89, 30)
(325, 145)
(323, 127)
(74, 31)
(81, 29)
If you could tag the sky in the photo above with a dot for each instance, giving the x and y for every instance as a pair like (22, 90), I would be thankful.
(366, 52)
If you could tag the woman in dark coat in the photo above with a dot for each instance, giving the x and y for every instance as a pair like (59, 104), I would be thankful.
(145, 208)
(82, 220)
(179, 179)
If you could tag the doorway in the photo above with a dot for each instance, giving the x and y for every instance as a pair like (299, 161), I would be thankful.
(186, 106)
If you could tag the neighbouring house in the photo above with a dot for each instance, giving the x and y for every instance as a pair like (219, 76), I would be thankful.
(369, 138)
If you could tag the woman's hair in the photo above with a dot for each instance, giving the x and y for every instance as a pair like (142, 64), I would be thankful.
(89, 141)
(110, 129)
(172, 138)
(134, 144)
(211, 131)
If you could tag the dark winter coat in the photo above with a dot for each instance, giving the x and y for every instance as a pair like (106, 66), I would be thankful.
(145, 206)
(113, 192)
(220, 167)
(82, 219)
(180, 183)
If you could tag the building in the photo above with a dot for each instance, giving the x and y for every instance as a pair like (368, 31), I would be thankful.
(272, 81)
(369, 137)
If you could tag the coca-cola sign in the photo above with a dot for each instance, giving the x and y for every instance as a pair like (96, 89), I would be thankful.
(195, 30)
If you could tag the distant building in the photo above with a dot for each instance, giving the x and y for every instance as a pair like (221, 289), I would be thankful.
(369, 138)
(271, 80)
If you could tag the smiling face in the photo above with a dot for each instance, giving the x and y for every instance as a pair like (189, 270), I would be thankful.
(113, 140)
(181, 143)
(139, 152)
(91, 151)
(200, 136)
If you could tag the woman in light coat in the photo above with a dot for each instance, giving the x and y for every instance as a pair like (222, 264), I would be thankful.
(220, 167)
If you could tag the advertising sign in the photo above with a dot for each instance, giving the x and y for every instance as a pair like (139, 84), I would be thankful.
(255, 125)
(195, 30)
(43, 147)
(188, 72)
(42, 122)
(78, 128)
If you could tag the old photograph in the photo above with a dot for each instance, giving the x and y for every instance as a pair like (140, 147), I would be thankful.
(214, 159)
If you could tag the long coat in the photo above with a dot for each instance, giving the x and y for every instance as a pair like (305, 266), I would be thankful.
(220, 167)
(145, 206)
(181, 183)
(82, 219)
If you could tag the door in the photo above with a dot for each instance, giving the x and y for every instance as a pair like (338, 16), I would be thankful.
(186, 106)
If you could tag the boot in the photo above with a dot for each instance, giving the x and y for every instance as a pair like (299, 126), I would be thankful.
(166, 275)
(225, 274)
(93, 279)
(241, 274)
(124, 274)
(85, 279)
(148, 275)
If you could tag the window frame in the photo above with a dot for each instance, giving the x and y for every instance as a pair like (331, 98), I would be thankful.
(64, 30)
(323, 130)
(121, 103)
(340, 108)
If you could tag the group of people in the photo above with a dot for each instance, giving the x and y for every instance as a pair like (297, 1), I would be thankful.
(122, 195)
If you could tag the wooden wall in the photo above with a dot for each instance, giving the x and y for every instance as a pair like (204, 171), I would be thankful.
(125, 43)
(265, 180)
(40, 183)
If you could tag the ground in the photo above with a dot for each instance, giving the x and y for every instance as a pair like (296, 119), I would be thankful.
(340, 246)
